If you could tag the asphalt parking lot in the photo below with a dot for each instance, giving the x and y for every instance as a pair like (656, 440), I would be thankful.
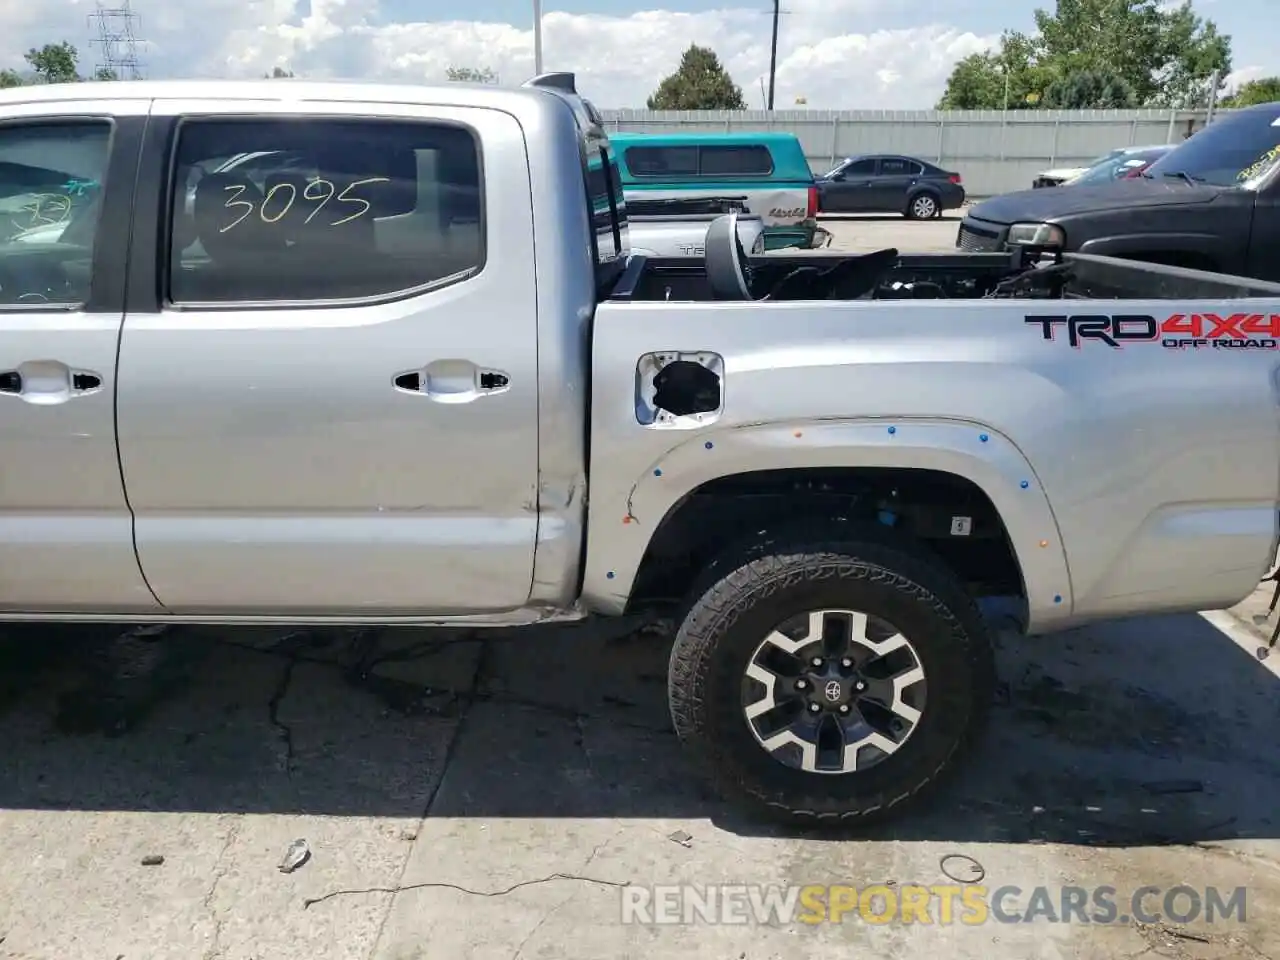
(467, 795)
(877, 231)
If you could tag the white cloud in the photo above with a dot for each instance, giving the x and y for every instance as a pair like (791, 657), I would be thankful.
(1238, 78)
(618, 59)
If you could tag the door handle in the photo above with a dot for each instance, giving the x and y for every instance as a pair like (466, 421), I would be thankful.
(48, 382)
(451, 381)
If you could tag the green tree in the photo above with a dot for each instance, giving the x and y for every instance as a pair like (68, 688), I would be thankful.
(1090, 90)
(54, 63)
(699, 83)
(1164, 55)
(976, 83)
(1191, 49)
(981, 81)
(1263, 90)
(471, 75)
(278, 73)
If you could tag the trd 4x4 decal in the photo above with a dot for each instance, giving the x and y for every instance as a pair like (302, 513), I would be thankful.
(1180, 331)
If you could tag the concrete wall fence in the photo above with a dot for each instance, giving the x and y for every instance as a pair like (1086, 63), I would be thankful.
(994, 151)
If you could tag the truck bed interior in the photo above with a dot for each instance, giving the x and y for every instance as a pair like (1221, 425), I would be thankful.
(1028, 273)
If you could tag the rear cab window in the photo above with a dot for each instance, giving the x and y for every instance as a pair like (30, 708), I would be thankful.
(306, 210)
(606, 205)
(51, 181)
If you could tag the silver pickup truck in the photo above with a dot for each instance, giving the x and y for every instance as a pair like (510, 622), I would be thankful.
(418, 377)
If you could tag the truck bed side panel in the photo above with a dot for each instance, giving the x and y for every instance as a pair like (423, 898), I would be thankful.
(1159, 468)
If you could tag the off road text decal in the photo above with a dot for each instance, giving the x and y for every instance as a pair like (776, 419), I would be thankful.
(1181, 331)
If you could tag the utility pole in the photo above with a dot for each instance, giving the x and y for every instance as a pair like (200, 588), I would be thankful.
(773, 50)
(537, 38)
(1214, 81)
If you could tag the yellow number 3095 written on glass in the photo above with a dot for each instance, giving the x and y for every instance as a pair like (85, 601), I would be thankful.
(281, 198)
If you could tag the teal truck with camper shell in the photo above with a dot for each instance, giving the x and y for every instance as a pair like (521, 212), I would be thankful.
(764, 174)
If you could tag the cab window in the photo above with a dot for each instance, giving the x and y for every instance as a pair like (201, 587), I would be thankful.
(658, 162)
(322, 210)
(51, 179)
(706, 160)
(737, 160)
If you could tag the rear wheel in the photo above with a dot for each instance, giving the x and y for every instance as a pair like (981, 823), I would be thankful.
(830, 682)
(923, 206)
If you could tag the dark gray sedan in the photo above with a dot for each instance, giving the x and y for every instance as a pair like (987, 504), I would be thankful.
(889, 183)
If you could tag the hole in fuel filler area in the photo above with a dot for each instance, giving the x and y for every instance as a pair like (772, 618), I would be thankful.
(678, 390)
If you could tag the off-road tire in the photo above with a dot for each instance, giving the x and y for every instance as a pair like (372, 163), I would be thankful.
(750, 593)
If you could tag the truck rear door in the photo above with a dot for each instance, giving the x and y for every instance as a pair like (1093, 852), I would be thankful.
(67, 171)
(328, 399)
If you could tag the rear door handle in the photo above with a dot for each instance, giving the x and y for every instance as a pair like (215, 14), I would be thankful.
(48, 382)
(452, 381)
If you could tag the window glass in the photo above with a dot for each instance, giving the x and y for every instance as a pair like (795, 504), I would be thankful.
(608, 208)
(604, 193)
(1104, 158)
(736, 161)
(860, 168)
(900, 167)
(1229, 152)
(51, 179)
(299, 210)
(1114, 169)
(662, 161)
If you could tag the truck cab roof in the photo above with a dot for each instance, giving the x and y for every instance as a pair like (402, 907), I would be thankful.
(285, 88)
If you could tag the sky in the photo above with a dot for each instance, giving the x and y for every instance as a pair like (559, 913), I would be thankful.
(835, 54)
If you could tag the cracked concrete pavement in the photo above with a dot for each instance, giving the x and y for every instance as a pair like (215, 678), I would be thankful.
(469, 795)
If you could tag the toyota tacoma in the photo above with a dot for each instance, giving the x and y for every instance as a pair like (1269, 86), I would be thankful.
(416, 375)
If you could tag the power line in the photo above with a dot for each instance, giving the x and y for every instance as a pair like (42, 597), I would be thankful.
(117, 39)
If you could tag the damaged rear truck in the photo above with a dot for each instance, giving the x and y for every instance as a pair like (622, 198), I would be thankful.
(406, 370)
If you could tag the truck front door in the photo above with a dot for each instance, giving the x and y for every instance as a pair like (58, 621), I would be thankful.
(328, 399)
